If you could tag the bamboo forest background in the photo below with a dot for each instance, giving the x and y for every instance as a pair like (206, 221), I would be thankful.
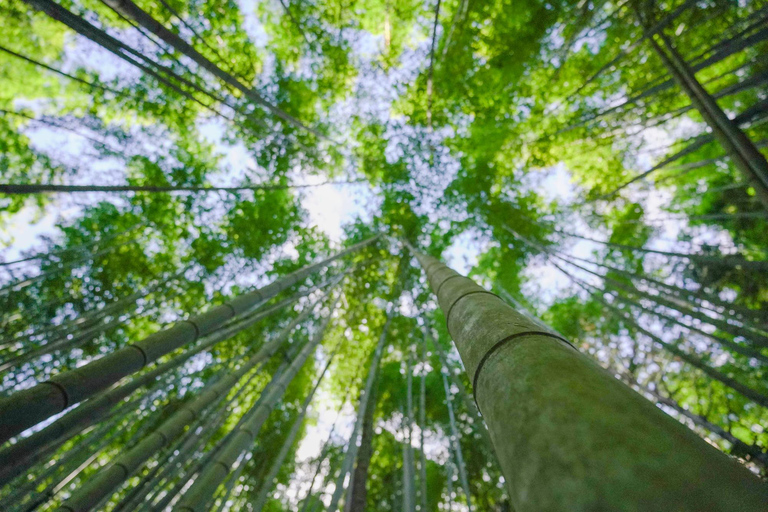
(595, 164)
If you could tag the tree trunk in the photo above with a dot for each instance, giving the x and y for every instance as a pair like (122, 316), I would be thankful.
(739, 147)
(28, 407)
(568, 435)
(351, 454)
(357, 493)
(10, 188)
(200, 493)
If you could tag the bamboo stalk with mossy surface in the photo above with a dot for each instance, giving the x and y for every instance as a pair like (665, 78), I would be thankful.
(568, 435)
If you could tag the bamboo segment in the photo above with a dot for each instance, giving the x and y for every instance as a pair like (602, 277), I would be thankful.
(261, 499)
(455, 441)
(351, 453)
(106, 480)
(27, 451)
(568, 435)
(211, 476)
(28, 407)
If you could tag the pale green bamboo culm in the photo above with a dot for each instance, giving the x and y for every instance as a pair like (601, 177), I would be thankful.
(23, 454)
(274, 469)
(567, 434)
(214, 473)
(103, 483)
(351, 454)
(28, 407)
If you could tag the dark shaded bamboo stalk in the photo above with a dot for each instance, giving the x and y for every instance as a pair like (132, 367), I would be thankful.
(613, 449)
(132, 11)
(11, 188)
(26, 408)
(351, 453)
(739, 147)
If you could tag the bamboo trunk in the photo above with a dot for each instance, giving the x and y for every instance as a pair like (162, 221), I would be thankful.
(27, 451)
(351, 453)
(261, 499)
(211, 476)
(739, 147)
(568, 435)
(26, 408)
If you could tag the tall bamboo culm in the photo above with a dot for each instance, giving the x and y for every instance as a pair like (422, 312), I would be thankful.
(213, 474)
(568, 435)
(28, 407)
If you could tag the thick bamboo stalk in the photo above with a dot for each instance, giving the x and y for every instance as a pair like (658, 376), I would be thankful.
(25, 451)
(59, 332)
(26, 408)
(106, 480)
(568, 435)
(211, 476)
(92, 443)
(739, 445)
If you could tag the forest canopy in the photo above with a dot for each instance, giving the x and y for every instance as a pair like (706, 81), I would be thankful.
(320, 255)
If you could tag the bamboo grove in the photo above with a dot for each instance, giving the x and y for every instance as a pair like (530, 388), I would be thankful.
(315, 255)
